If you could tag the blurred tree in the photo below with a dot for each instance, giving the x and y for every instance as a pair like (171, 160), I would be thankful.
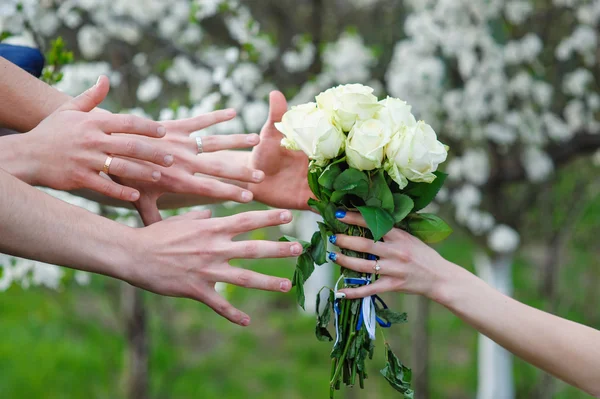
(511, 85)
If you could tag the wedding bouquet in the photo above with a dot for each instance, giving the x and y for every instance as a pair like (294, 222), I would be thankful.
(373, 157)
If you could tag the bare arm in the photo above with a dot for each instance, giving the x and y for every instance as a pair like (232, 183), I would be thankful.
(24, 100)
(567, 350)
(37, 226)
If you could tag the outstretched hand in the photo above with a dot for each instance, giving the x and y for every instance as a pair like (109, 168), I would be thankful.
(184, 256)
(70, 147)
(285, 184)
(181, 178)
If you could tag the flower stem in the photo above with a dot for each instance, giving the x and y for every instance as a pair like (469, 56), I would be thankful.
(342, 359)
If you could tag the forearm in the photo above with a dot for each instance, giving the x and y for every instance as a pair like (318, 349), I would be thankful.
(565, 349)
(24, 100)
(17, 157)
(37, 226)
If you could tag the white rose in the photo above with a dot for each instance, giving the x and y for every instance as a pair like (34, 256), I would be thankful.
(311, 130)
(366, 144)
(396, 113)
(414, 153)
(349, 103)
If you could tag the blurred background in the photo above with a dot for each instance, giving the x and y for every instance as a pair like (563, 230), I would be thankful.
(511, 86)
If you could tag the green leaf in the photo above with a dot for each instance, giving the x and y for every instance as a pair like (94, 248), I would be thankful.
(352, 181)
(380, 195)
(403, 205)
(391, 316)
(298, 282)
(313, 183)
(306, 265)
(424, 193)
(305, 245)
(398, 375)
(428, 227)
(318, 248)
(337, 196)
(327, 210)
(324, 317)
(379, 221)
(331, 172)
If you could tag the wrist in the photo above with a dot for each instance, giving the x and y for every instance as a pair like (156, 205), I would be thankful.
(452, 285)
(19, 158)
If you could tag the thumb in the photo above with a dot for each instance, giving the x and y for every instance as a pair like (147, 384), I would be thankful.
(277, 106)
(148, 211)
(91, 98)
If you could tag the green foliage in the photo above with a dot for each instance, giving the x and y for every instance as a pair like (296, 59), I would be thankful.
(4, 35)
(380, 195)
(397, 374)
(324, 317)
(424, 193)
(380, 222)
(391, 316)
(56, 58)
(428, 227)
(403, 205)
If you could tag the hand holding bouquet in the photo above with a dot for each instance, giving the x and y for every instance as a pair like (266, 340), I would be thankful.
(374, 157)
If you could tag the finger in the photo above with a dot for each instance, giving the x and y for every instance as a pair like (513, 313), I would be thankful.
(248, 221)
(133, 170)
(250, 279)
(260, 249)
(353, 218)
(227, 170)
(277, 106)
(193, 215)
(111, 189)
(383, 284)
(132, 124)
(225, 309)
(358, 244)
(91, 98)
(200, 122)
(133, 147)
(227, 142)
(148, 210)
(356, 264)
(213, 188)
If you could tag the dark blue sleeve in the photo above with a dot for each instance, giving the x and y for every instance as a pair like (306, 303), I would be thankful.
(29, 59)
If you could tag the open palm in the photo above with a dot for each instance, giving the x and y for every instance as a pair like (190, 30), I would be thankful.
(285, 184)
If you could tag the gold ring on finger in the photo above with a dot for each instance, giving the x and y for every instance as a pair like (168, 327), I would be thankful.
(107, 163)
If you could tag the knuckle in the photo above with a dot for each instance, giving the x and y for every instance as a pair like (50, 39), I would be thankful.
(216, 169)
(251, 250)
(119, 168)
(285, 249)
(127, 123)
(131, 147)
(243, 279)
(222, 308)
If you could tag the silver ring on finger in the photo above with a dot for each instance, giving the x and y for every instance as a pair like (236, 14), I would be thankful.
(377, 268)
(199, 145)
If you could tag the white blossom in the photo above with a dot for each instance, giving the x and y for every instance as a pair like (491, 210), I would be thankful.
(149, 89)
(503, 239)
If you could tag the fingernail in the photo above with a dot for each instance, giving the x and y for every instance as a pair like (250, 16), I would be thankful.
(340, 295)
(332, 239)
(161, 131)
(340, 214)
(285, 216)
(284, 286)
(296, 249)
(371, 257)
(252, 139)
(246, 196)
(168, 159)
(257, 175)
(155, 175)
(245, 322)
(332, 256)
(98, 81)
(135, 195)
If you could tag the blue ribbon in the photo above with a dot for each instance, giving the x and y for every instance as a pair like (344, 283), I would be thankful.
(373, 298)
